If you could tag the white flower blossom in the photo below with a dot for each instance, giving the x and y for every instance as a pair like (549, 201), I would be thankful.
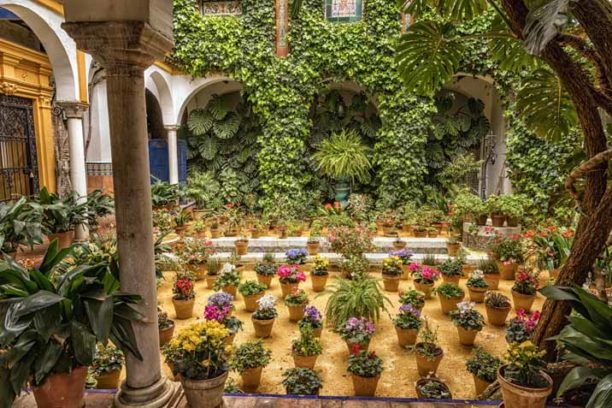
(267, 302)
(227, 268)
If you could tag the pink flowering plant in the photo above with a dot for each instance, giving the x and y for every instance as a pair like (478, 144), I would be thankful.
(526, 283)
(350, 241)
(357, 330)
(219, 308)
(196, 251)
(467, 317)
(521, 328)
(290, 274)
(424, 274)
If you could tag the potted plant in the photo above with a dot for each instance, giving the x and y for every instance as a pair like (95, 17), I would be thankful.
(306, 349)
(290, 277)
(358, 297)
(215, 229)
(319, 273)
(194, 254)
(407, 324)
(508, 253)
(427, 352)
(242, 245)
(50, 345)
(449, 295)
(392, 271)
(521, 327)
(301, 381)
(165, 325)
(357, 333)
(228, 279)
(296, 302)
(468, 321)
(469, 207)
(405, 255)
(296, 256)
(523, 381)
(199, 356)
(398, 244)
(198, 228)
(477, 286)
(313, 320)
(164, 195)
(451, 270)
(524, 291)
(213, 267)
(552, 247)
(258, 228)
(497, 217)
(183, 297)
(497, 307)
(266, 269)
(431, 387)
(248, 360)
(512, 206)
(219, 308)
(20, 224)
(61, 215)
(365, 369)
(107, 365)
(414, 298)
(491, 273)
(419, 230)
(314, 237)
(453, 244)
(251, 292)
(424, 277)
(263, 318)
(483, 367)
(181, 220)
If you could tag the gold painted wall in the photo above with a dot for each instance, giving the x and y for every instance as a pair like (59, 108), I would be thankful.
(25, 73)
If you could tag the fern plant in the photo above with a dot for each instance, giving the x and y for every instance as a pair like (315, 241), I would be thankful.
(355, 298)
(344, 156)
(203, 188)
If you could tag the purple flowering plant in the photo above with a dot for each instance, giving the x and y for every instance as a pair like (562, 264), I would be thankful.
(221, 299)
(296, 256)
(357, 330)
(312, 319)
(404, 254)
(408, 318)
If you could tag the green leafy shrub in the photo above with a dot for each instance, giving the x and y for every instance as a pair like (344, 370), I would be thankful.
(483, 365)
(302, 381)
(248, 355)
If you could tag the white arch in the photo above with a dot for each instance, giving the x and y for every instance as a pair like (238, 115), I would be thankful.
(159, 85)
(60, 48)
(187, 90)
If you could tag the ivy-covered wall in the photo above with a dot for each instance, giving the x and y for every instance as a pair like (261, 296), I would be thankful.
(282, 90)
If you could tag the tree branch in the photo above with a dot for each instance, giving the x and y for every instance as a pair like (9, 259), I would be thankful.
(584, 168)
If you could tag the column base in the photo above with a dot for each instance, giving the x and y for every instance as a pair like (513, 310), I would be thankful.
(162, 394)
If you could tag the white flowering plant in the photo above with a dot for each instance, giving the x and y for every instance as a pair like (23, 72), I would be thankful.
(266, 309)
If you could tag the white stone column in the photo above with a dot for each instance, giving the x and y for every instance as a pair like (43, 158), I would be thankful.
(126, 49)
(173, 168)
(78, 174)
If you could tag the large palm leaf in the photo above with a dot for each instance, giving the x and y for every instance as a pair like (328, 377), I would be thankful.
(455, 9)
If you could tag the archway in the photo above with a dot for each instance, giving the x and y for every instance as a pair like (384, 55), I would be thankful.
(155, 121)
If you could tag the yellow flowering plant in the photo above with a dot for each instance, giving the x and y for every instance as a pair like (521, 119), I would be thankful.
(392, 266)
(199, 352)
(525, 365)
(321, 266)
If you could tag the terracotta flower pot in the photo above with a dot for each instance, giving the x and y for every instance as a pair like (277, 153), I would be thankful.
(165, 335)
(204, 393)
(512, 221)
(420, 233)
(407, 228)
(296, 313)
(108, 381)
(425, 288)
(507, 270)
(288, 288)
(498, 220)
(521, 301)
(318, 282)
(198, 270)
(365, 386)
(449, 304)
(480, 385)
(304, 361)
(423, 381)
(183, 308)
(265, 280)
(313, 248)
(256, 233)
(362, 346)
(210, 281)
(433, 233)
(516, 396)
(492, 280)
(477, 294)
(242, 246)
(466, 337)
(482, 220)
(452, 248)
(406, 337)
(317, 332)
(250, 302)
(62, 390)
(451, 278)
(391, 283)
(399, 245)
(230, 289)
(425, 365)
(232, 232)
(263, 328)
(251, 378)
(467, 270)
(215, 233)
(497, 315)
(64, 239)
(389, 231)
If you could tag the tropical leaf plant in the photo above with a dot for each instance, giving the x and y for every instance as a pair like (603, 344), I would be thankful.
(344, 156)
(587, 342)
(203, 188)
(164, 193)
(20, 224)
(52, 320)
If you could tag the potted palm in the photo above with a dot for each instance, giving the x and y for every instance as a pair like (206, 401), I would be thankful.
(365, 369)
(264, 316)
(428, 353)
(312, 320)
(302, 381)
(251, 292)
(477, 286)
(266, 269)
(296, 303)
(107, 365)
(249, 360)
(392, 270)
(306, 349)
(183, 297)
(523, 381)
(199, 357)
(524, 291)
(319, 273)
(468, 321)
(450, 295)
(343, 158)
(497, 307)
(483, 367)
(50, 345)
(407, 324)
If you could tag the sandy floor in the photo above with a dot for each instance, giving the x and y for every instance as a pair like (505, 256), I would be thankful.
(400, 366)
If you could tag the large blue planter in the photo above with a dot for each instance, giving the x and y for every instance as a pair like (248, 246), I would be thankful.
(343, 189)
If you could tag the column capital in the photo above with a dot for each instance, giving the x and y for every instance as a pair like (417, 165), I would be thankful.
(121, 47)
(172, 128)
(73, 109)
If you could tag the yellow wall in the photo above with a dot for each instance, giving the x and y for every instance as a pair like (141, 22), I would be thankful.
(25, 73)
